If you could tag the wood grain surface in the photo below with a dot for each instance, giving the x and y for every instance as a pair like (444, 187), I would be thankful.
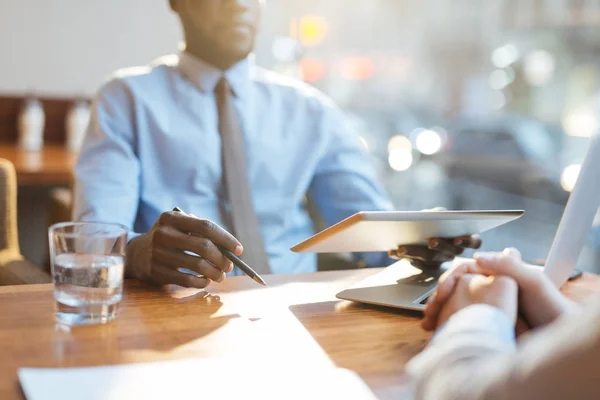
(51, 166)
(297, 318)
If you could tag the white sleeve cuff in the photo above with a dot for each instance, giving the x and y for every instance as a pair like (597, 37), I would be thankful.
(476, 331)
(479, 319)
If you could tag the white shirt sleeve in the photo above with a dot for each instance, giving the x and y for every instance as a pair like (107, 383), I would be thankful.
(474, 334)
(474, 357)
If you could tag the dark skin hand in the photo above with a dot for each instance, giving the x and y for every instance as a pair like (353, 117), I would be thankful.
(159, 255)
(437, 251)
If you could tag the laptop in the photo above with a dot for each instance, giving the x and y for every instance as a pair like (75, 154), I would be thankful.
(405, 286)
(577, 219)
(400, 285)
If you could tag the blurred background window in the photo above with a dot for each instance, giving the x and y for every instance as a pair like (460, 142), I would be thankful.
(463, 104)
(466, 104)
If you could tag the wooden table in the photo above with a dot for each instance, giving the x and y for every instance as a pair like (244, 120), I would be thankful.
(299, 315)
(52, 166)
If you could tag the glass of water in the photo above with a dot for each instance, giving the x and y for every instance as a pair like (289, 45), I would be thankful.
(87, 270)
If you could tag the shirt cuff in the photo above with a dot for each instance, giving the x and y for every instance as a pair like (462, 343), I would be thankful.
(480, 319)
(476, 331)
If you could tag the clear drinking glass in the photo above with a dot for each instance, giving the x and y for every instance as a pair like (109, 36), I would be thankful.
(87, 270)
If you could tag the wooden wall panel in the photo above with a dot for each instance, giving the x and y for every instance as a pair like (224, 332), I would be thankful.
(55, 109)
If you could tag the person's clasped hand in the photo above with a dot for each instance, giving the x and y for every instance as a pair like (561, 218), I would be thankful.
(540, 302)
(497, 291)
(160, 255)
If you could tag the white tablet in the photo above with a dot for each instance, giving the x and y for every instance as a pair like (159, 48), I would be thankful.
(386, 230)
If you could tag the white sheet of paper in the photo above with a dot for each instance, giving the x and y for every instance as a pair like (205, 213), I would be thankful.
(220, 378)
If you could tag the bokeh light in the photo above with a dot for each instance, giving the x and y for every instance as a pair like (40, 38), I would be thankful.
(357, 68)
(504, 56)
(539, 67)
(569, 177)
(400, 159)
(429, 142)
(400, 153)
(580, 123)
(399, 142)
(312, 30)
(312, 69)
(499, 79)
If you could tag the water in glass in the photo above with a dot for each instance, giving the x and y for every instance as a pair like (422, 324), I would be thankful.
(87, 287)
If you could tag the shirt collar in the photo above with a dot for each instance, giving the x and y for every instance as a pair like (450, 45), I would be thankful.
(206, 77)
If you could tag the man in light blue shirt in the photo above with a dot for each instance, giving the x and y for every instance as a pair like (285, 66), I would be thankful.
(154, 144)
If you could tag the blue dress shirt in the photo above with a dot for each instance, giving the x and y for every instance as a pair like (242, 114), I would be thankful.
(153, 144)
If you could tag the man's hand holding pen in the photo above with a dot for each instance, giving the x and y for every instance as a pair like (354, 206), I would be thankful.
(233, 258)
(159, 254)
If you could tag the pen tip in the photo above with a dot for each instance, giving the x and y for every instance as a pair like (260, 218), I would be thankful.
(259, 280)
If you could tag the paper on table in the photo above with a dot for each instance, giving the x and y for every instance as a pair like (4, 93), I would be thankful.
(223, 378)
